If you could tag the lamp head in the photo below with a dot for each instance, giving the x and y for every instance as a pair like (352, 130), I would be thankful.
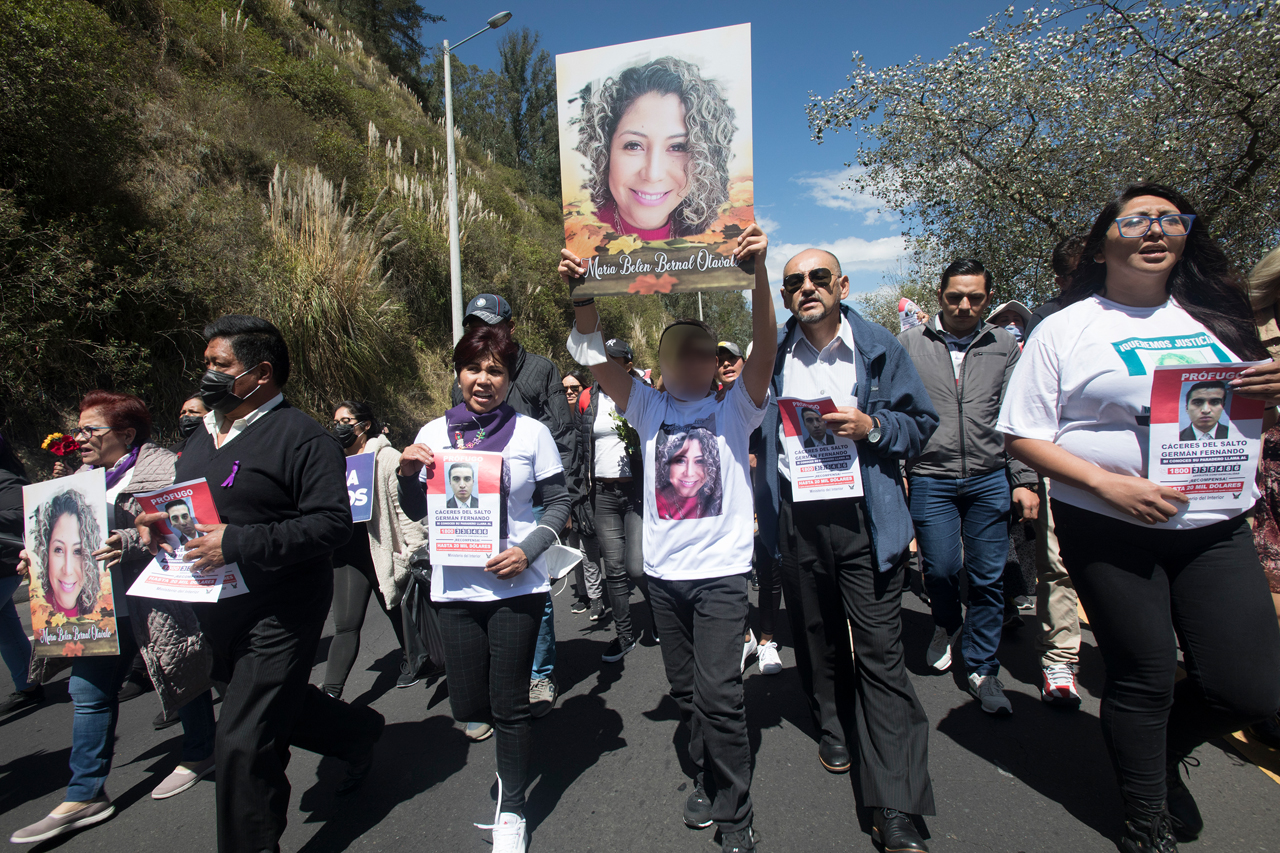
(499, 19)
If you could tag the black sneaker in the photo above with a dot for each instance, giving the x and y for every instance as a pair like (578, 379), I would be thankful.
(697, 809)
(597, 609)
(408, 677)
(579, 606)
(742, 841)
(20, 699)
(617, 649)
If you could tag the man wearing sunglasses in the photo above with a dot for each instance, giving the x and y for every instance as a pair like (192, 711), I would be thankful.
(963, 484)
(844, 559)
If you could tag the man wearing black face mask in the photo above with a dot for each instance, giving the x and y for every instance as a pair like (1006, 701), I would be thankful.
(278, 480)
(190, 418)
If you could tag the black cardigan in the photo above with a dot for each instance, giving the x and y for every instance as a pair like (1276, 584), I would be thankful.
(287, 508)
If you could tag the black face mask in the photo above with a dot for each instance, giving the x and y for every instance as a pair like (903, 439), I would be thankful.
(188, 424)
(345, 433)
(215, 391)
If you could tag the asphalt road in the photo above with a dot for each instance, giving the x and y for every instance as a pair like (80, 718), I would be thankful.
(607, 776)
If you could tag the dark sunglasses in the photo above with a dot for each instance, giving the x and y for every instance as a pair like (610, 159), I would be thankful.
(573, 389)
(820, 276)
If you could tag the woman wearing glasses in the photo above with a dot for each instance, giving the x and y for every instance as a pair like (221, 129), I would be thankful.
(1153, 572)
(113, 434)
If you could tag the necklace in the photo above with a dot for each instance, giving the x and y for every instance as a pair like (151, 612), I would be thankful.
(467, 445)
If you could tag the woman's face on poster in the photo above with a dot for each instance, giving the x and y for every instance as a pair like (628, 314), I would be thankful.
(688, 471)
(67, 561)
(648, 159)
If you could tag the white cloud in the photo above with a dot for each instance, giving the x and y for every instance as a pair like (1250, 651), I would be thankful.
(854, 253)
(769, 225)
(836, 191)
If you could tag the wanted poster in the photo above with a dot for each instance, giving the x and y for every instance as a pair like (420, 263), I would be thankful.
(1204, 439)
(464, 500)
(72, 603)
(908, 314)
(823, 465)
(169, 576)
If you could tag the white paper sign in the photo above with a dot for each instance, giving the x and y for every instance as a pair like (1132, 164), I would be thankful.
(823, 465)
(1204, 439)
(464, 507)
(170, 578)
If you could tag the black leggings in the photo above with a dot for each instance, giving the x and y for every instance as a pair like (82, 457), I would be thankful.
(1149, 591)
(769, 575)
(488, 650)
(352, 586)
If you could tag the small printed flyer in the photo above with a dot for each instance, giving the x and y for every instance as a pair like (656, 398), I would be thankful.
(169, 576)
(360, 486)
(907, 311)
(72, 604)
(1204, 440)
(823, 465)
(464, 507)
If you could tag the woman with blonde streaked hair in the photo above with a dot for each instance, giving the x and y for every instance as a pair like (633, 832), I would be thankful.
(1264, 294)
(657, 141)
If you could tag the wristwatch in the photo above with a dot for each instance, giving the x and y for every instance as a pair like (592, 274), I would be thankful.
(873, 437)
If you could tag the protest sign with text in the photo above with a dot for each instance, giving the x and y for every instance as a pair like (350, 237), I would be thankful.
(823, 465)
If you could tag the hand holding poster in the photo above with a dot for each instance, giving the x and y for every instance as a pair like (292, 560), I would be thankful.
(823, 465)
(170, 575)
(1204, 440)
(655, 161)
(72, 603)
(360, 486)
(907, 314)
(464, 501)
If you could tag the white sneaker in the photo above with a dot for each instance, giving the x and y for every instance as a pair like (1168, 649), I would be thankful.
(509, 834)
(989, 691)
(749, 648)
(939, 654)
(767, 658)
(1059, 685)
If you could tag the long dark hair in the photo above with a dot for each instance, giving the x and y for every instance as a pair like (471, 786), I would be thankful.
(1202, 281)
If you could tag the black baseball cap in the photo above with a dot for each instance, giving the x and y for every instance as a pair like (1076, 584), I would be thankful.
(489, 309)
(615, 348)
(729, 347)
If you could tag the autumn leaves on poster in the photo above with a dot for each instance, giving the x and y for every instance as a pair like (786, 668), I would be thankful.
(656, 162)
(72, 606)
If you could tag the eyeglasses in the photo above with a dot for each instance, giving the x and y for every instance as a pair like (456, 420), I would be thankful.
(1171, 224)
(820, 276)
(347, 421)
(573, 389)
(88, 432)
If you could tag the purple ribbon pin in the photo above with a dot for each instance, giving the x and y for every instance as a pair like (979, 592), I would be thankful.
(230, 481)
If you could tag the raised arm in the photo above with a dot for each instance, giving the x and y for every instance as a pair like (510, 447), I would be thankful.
(753, 244)
(615, 381)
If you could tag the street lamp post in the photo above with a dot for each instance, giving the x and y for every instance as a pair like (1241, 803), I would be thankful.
(455, 252)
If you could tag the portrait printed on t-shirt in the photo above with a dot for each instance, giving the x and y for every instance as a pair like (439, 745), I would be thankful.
(688, 479)
(461, 478)
(1204, 411)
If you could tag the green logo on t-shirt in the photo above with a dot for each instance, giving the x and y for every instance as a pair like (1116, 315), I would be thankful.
(1140, 355)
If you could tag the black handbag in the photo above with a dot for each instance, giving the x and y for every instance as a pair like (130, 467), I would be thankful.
(423, 645)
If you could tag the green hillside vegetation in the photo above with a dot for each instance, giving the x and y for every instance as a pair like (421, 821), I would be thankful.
(163, 162)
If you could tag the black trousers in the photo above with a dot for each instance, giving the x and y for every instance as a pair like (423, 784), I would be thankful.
(701, 624)
(1149, 591)
(353, 584)
(831, 584)
(619, 533)
(263, 649)
(769, 576)
(488, 648)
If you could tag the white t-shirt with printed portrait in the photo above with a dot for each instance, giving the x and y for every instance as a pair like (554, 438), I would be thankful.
(1084, 383)
(698, 504)
(529, 456)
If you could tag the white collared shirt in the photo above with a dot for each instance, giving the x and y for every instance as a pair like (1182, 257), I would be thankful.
(808, 374)
(241, 424)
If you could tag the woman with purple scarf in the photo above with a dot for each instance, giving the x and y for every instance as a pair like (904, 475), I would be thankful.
(113, 433)
(489, 616)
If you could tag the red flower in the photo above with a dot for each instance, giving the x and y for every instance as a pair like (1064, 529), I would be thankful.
(60, 445)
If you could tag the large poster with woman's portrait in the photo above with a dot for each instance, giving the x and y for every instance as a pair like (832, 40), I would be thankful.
(655, 161)
(72, 607)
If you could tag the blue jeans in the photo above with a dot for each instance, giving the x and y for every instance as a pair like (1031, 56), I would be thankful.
(94, 685)
(975, 510)
(14, 645)
(544, 656)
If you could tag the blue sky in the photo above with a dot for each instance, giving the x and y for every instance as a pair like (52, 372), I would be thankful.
(797, 48)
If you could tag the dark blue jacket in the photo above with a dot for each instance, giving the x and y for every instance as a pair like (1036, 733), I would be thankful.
(888, 388)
